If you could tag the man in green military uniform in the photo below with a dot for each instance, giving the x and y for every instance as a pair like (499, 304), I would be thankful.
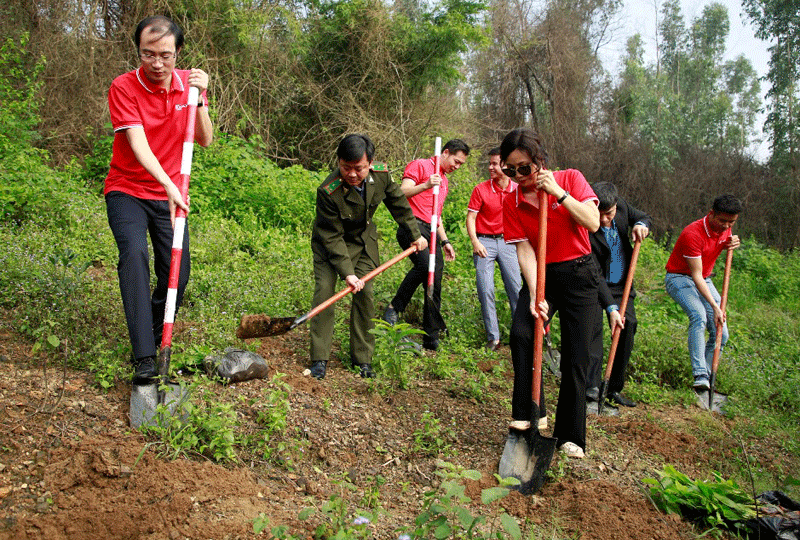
(344, 242)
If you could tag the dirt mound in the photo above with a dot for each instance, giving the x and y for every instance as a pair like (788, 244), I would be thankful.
(70, 467)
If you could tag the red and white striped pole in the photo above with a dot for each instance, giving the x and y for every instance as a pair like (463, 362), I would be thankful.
(434, 219)
(180, 220)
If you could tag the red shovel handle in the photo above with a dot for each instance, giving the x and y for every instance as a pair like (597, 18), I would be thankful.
(344, 292)
(723, 304)
(541, 268)
(612, 351)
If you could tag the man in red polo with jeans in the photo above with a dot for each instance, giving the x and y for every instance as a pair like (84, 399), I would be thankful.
(688, 280)
(485, 230)
(149, 116)
(418, 179)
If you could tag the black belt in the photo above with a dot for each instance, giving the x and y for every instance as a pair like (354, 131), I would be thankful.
(580, 260)
(491, 235)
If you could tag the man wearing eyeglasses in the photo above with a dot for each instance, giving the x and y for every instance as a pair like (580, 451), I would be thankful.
(149, 117)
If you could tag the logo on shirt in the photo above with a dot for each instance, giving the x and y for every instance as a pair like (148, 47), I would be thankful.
(181, 106)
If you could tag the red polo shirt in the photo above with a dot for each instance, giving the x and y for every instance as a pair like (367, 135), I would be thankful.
(566, 240)
(134, 101)
(697, 240)
(422, 203)
(487, 201)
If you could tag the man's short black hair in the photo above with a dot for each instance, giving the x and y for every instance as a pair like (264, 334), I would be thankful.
(456, 145)
(354, 146)
(494, 151)
(607, 195)
(727, 204)
(528, 141)
(160, 25)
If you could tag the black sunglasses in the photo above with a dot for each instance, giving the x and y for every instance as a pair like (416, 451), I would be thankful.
(511, 172)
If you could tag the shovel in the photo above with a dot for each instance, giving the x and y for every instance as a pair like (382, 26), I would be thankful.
(256, 326)
(527, 454)
(146, 398)
(612, 351)
(715, 401)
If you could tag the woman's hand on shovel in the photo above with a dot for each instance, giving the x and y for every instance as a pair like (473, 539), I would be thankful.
(544, 309)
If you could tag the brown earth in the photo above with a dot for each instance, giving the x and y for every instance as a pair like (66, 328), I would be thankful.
(70, 467)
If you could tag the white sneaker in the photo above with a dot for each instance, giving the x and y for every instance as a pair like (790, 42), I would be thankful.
(542, 423)
(572, 450)
(521, 425)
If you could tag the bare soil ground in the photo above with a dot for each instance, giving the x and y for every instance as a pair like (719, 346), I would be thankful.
(70, 467)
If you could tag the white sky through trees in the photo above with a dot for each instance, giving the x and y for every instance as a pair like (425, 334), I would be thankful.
(641, 16)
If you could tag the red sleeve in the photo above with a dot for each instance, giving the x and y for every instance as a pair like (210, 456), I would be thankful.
(476, 200)
(123, 109)
(415, 172)
(512, 227)
(692, 246)
(578, 187)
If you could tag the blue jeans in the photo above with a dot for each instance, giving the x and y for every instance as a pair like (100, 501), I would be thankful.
(701, 317)
(506, 257)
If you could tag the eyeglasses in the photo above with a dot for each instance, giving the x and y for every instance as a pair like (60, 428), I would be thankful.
(511, 172)
(164, 57)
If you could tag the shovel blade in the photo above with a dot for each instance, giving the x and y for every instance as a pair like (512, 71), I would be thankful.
(717, 403)
(145, 400)
(257, 326)
(526, 457)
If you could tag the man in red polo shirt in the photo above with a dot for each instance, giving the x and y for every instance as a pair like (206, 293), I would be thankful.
(485, 230)
(688, 280)
(418, 179)
(149, 116)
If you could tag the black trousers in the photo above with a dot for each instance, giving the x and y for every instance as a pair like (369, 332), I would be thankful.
(624, 348)
(418, 275)
(131, 220)
(571, 290)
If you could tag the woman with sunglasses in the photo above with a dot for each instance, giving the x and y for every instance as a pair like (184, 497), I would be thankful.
(572, 280)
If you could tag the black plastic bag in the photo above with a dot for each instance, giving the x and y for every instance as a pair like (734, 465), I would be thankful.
(237, 365)
(779, 518)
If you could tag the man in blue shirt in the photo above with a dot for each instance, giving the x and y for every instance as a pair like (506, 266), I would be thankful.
(612, 248)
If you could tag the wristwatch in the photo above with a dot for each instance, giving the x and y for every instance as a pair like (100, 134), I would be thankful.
(563, 197)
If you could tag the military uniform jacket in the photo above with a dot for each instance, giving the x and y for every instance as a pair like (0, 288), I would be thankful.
(343, 228)
(627, 216)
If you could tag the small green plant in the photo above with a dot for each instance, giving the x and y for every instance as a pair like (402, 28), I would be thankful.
(431, 438)
(271, 418)
(395, 354)
(715, 504)
(208, 430)
(445, 513)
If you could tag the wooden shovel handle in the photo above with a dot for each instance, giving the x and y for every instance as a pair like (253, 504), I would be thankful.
(344, 292)
(541, 269)
(612, 351)
(723, 304)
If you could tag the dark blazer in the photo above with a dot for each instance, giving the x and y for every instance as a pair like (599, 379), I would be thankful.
(627, 216)
(343, 228)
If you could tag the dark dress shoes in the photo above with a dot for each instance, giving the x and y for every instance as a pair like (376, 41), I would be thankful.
(619, 399)
(318, 369)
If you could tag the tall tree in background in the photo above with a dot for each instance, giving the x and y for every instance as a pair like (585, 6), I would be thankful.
(779, 21)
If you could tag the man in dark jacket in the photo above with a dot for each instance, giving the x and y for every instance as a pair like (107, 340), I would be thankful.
(612, 247)
(344, 242)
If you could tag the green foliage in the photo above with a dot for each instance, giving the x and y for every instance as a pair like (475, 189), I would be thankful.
(445, 513)
(431, 438)
(715, 504)
(395, 358)
(232, 179)
(273, 411)
(209, 429)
